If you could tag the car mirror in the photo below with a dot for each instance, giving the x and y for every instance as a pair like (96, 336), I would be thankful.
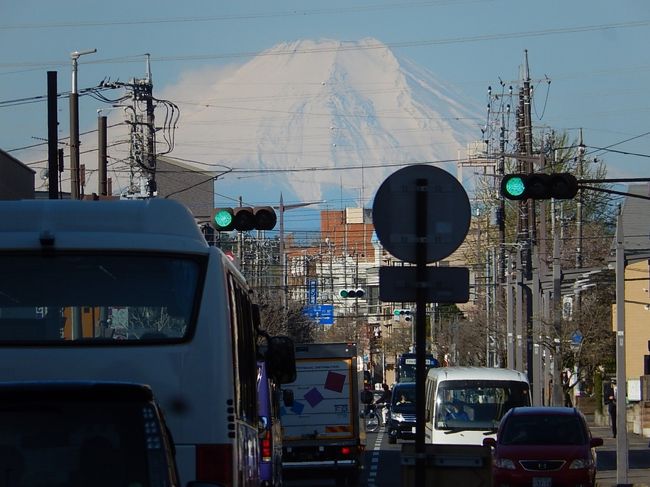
(491, 442)
(596, 442)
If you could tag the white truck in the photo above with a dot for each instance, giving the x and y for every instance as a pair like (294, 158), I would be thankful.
(322, 429)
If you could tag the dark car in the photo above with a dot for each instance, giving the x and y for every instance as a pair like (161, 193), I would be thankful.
(544, 447)
(401, 414)
(82, 434)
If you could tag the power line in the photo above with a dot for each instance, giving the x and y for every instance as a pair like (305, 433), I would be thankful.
(356, 47)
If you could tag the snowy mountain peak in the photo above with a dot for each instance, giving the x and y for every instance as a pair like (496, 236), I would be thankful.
(317, 118)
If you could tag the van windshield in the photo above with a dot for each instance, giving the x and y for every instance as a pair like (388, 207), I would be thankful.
(477, 404)
(64, 297)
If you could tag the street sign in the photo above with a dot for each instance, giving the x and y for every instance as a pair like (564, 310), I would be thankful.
(312, 291)
(394, 213)
(576, 340)
(443, 284)
(323, 313)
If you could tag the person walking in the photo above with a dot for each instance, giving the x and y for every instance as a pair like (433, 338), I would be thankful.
(611, 407)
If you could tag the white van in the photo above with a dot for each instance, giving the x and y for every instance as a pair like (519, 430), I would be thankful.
(464, 405)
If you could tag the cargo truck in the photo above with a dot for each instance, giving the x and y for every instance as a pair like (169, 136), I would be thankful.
(322, 429)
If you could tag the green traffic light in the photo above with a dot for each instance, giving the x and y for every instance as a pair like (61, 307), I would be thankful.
(223, 219)
(344, 293)
(515, 186)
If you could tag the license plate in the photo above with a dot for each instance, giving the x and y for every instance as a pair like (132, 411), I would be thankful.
(542, 482)
(413, 430)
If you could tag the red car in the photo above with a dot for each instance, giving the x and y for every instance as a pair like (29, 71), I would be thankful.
(543, 447)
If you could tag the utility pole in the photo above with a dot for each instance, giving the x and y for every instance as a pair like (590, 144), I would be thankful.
(579, 201)
(102, 164)
(74, 126)
(621, 374)
(557, 322)
(52, 136)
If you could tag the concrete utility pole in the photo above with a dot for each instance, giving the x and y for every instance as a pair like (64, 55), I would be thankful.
(283, 258)
(579, 201)
(621, 375)
(74, 126)
(557, 321)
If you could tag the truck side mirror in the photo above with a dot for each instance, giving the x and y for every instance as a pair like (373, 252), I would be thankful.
(281, 359)
(287, 397)
(366, 397)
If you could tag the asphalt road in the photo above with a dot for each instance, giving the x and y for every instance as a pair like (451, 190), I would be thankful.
(383, 463)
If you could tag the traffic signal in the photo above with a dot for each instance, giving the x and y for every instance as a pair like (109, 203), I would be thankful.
(406, 313)
(243, 218)
(539, 186)
(352, 293)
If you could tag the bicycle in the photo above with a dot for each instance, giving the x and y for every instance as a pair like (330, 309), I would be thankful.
(373, 421)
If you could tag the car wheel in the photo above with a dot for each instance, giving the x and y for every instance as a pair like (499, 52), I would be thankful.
(392, 439)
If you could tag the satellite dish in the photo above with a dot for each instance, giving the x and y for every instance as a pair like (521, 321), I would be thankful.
(44, 173)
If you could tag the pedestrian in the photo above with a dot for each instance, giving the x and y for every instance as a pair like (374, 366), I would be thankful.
(611, 407)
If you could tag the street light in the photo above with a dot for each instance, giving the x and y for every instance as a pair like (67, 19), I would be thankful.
(282, 208)
(74, 126)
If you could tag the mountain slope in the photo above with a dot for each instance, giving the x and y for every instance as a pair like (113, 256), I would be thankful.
(318, 118)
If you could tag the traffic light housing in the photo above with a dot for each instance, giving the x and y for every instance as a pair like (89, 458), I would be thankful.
(243, 218)
(406, 313)
(539, 186)
(352, 293)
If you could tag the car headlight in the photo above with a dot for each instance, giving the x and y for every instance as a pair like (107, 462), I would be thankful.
(581, 463)
(399, 417)
(505, 463)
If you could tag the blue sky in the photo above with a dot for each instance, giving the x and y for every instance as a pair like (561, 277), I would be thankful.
(594, 52)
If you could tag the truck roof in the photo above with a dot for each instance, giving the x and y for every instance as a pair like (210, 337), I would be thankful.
(77, 224)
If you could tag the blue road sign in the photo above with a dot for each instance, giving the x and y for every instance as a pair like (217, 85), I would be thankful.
(323, 313)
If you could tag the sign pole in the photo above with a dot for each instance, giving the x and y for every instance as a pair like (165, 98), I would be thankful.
(421, 204)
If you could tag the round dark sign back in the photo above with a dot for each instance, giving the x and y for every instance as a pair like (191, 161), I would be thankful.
(448, 213)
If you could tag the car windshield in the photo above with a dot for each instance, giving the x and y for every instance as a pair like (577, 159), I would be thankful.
(543, 429)
(403, 399)
(65, 297)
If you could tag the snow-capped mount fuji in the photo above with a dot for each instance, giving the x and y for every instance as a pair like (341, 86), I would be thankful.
(312, 118)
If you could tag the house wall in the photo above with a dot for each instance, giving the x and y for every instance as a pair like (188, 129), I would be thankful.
(637, 317)
(16, 179)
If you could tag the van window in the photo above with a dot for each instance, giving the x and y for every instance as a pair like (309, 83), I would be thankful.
(67, 296)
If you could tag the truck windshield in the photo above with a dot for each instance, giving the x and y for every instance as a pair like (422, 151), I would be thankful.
(65, 297)
(407, 366)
